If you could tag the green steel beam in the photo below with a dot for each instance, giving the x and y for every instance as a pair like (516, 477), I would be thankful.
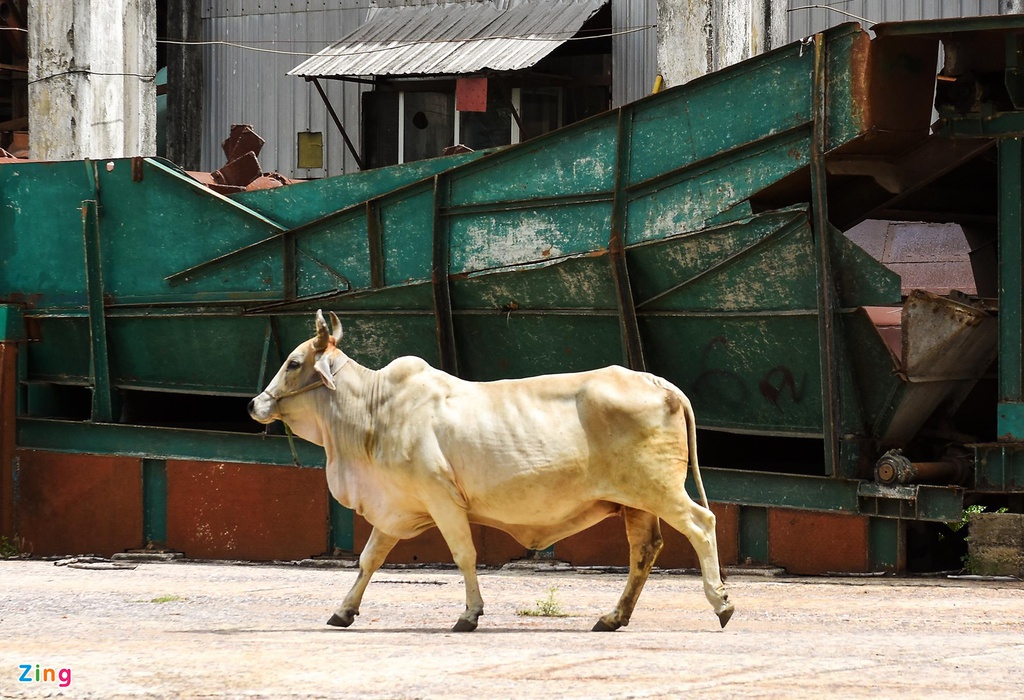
(831, 412)
(154, 501)
(163, 443)
(342, 522)
(99, 358)
(753, 534)
(887, 549)
(1010, 424)
(11, 326)
(999, 467)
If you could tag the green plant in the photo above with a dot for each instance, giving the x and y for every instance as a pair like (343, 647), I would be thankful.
(10, 549)
(163, 599)
(968, 563)
(545, 607)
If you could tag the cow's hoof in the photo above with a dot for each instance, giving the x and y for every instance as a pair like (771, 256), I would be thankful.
(605, 626)
(464, 625)
(726, 615)
(341, 620)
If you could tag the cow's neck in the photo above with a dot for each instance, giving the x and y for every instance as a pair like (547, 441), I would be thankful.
(346, 425)
(347, 418)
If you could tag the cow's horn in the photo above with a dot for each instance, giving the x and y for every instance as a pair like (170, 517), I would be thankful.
(323, 332)
(336, 324)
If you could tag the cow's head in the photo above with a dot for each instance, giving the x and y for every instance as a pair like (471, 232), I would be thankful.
(311, 365)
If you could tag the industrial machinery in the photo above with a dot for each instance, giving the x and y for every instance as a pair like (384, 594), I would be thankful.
(697, 233)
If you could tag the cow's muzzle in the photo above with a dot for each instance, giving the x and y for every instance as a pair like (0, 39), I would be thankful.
(263, 409)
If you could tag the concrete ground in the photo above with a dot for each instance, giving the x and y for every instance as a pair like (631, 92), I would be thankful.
(190, 630)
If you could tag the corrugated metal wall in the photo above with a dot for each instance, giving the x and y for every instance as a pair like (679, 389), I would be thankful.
(804, 22)
(634, 50)
(246, 86)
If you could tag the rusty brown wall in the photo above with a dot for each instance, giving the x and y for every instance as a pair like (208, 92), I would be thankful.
(8, 405)
(78, 504)
(218, 510)
(805, 542)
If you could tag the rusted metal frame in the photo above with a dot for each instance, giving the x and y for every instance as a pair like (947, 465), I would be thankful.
(831, 408)
(439, 273)
(631, 340)
(337, 122)
(99, 357)
(375, 243)
(774, 237)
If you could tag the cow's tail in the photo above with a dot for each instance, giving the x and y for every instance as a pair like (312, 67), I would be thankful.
(691, 448)
(678, 400)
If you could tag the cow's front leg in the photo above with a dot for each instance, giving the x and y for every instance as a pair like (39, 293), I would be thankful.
(644, 534)
(371, 559)
(454, 527)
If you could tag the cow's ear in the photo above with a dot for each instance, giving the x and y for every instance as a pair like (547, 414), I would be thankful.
(336, 325)
(323, 367)
(323, 332)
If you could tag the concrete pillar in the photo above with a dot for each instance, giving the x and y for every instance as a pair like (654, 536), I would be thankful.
(92, 92)
(699, 36)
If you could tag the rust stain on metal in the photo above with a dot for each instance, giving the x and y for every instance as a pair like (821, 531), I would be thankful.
(137, 169)
(860, 80)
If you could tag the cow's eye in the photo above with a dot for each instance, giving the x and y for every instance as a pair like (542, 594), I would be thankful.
(294, 364)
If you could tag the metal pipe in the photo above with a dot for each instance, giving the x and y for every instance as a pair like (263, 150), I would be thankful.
(894, 468)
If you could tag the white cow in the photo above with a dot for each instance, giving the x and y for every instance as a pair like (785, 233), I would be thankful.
(410, 447)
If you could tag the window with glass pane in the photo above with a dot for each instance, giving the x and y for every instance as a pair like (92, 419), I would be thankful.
(539, 111)
(429, 124)
(380, 128)
(480, 130)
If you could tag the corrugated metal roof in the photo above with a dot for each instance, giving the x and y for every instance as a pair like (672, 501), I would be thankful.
(452, 38)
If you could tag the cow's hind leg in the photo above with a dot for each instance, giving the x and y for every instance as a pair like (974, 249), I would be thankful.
(372, 557)
(454, 527)
(698, 525)
(644, 535)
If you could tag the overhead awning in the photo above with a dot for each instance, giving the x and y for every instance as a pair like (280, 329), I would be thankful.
(455, 38)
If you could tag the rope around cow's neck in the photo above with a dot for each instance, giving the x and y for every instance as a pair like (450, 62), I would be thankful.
(291, 444)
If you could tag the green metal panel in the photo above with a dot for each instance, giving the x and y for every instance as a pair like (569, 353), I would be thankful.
(154, 501)
(163, 443)
(342, 523)
(303, 202)
(11, 328)
(886, 541)
(1011, 285)
(753, 534)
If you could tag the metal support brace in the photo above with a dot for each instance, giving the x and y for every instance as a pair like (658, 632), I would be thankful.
(375, 241)
(632, 344)
(439, 278)
(831, 412)
(337, 122)
(99, 358)
(1011, 290)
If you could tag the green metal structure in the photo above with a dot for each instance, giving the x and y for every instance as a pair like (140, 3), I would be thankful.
(696, 234)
